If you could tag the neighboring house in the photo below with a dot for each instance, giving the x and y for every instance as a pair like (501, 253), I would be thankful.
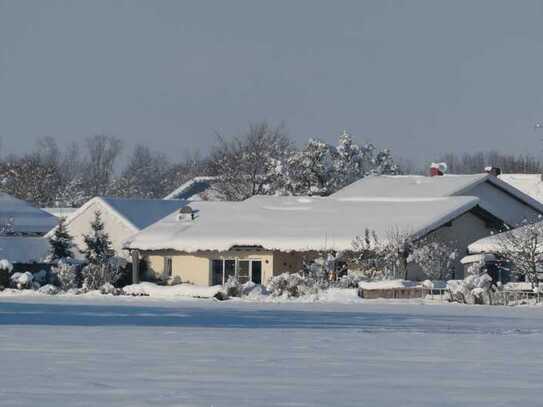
(497, 197)
(122, 218)
(487, 251)
(23, 227)
(266, 236)
(22, 219)
(197, 189)
(530, 184)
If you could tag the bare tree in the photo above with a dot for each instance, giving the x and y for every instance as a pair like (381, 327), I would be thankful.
(435, 258)
(144, 176)
(102, 153)
(522, 248)
(247, 165)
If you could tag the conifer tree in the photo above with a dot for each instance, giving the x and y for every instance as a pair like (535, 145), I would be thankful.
(99, 250)
(61, 242)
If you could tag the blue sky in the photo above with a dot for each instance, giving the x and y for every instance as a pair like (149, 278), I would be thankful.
(422, 77)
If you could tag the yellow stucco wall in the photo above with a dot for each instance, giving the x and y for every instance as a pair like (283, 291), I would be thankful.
(196, 267)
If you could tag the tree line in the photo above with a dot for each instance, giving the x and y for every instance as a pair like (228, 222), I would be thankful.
(263, 160)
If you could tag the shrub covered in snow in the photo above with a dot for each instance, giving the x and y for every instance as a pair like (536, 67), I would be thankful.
(292, 285)
(96, 275)
(476, 288)
(232, 287)
(21, 280)
(49, 289)
(67, 274)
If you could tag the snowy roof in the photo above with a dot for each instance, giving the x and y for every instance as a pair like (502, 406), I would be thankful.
(530, 184)
(409, 186)
(18, 249)
(192, 189)
(296, 223)
(24, 217)
(416, 186)
(144, 212)
(136, 213)
(491, 244)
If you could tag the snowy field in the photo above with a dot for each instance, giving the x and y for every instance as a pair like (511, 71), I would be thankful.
(112, 351)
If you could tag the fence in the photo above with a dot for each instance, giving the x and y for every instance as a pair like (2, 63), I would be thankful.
(507, 297)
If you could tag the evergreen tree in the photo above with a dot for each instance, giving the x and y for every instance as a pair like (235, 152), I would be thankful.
(61, 242)
(99, 250)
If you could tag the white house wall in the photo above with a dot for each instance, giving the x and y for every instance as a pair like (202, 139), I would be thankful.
(116, 228)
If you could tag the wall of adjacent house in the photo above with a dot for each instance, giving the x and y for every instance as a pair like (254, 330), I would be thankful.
(462, 232)
(502, 204)
(117, 230)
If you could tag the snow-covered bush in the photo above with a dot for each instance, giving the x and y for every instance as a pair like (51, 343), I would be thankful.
(67, 274)
(292, 285)
(21, 280)
(49, 289)
(5, 271)
(476, 288)
(232, 287)
(109, 289)
(350, 280)
(96, 275)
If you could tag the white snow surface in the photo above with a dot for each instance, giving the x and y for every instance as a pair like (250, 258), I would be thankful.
(174, 291)
(128, 351)
(296, 223)
(417, 186)
(25, 218)
(530, 184)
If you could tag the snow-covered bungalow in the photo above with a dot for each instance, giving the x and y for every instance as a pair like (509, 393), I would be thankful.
(265, 236)
(23, 227)
(122, 218)
(501, 199)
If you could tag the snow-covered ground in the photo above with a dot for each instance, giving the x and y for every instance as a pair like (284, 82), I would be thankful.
(129, 351)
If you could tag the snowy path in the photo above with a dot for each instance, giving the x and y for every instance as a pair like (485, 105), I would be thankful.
(139, 352)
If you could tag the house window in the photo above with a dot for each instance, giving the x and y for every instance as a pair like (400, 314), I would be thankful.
(244, 269)
(167, 267)
(221, 270)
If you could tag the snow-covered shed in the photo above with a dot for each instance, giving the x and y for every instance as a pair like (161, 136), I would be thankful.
(266, 236)
(122, 218)
(20, 218)
(197, 189)
(497, 197)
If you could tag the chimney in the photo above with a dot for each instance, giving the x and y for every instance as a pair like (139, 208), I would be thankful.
(185, 214)
(493, 171)
(438, 169)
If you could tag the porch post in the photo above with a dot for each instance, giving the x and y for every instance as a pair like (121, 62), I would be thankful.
(135, 266)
